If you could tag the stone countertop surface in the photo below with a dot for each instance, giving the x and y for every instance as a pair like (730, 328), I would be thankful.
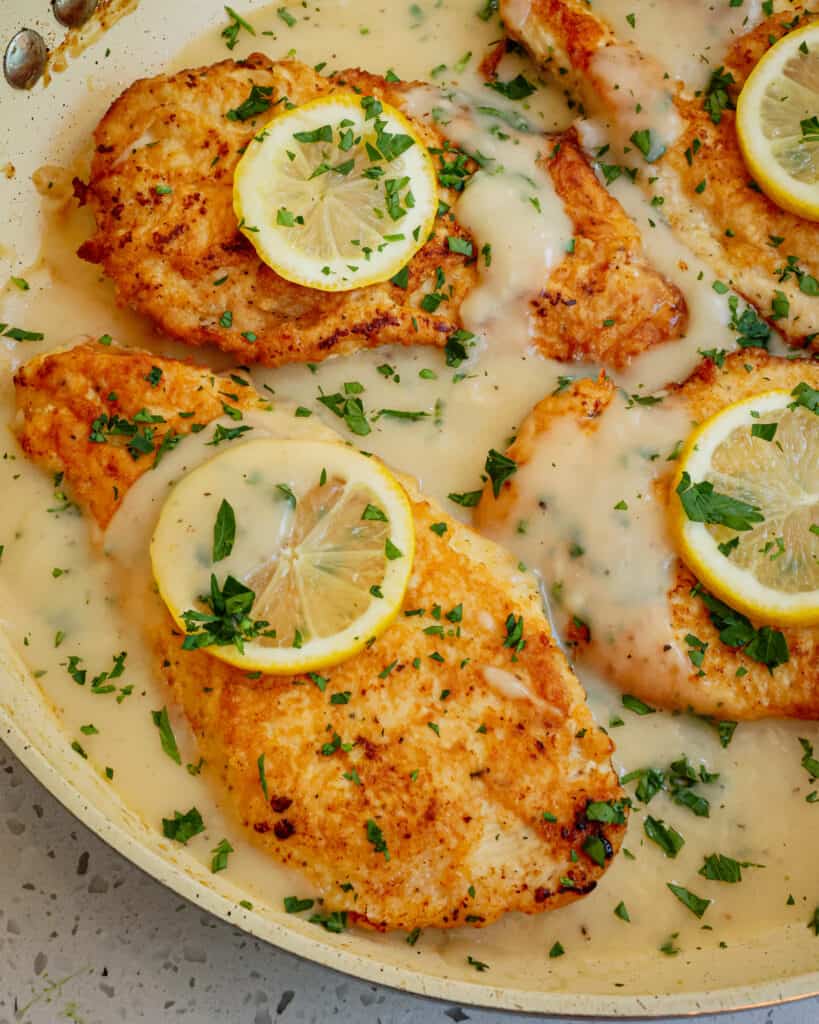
(88, 938)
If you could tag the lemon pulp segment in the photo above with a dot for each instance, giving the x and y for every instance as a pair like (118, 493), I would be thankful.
(300, 551)
(338, 193)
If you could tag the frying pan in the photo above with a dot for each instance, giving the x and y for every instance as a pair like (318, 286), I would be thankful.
(52, 125)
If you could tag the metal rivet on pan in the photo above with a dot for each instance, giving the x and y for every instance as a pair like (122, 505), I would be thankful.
(25, 59)
(73, 13)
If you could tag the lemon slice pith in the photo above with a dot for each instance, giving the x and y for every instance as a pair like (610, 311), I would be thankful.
(763, 455)
(284, 556)
(338, 193)
(777, 122)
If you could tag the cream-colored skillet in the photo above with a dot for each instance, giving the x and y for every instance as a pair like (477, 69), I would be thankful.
(50, 127)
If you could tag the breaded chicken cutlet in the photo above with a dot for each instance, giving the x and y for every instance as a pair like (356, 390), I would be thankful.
(484, 798)
(179, 257)
(706, 191)
(728, 684)
(161, 192)
(604, 302)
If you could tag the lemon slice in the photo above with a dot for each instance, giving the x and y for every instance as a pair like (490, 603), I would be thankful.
(777, 122)
(745, 506)
(338, 193)
(284, 556)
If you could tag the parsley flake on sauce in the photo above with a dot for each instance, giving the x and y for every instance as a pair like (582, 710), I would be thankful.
(224, 531)
(621, 912)
(696, 904)
(182, 827)
(237, 23)
(667, 838)
(220, 853)
(295, 905)
(809, 762)
(719, 868)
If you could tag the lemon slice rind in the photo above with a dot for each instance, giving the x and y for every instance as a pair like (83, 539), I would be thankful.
(737, 586)
(181, 546)
(335, 229)
(777, 155)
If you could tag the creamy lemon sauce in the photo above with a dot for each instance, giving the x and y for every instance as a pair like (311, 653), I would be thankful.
(689, 38)
(637, 91)
(63, 598)
(660, 45)
(587, 516)
(521, 248)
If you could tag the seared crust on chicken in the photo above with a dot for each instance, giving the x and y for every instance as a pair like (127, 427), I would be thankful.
(603, 302)
(470, 750)
(733, 686)
(179, 257)
(708, 195)
(94, 413)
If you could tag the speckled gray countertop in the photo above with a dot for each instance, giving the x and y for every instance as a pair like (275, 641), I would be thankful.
(86, 937)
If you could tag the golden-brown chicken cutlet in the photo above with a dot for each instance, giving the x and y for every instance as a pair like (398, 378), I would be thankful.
(102, 415)
(161, 189)
(707, 194)
(729, 683)
(465, 738)
(603, 302)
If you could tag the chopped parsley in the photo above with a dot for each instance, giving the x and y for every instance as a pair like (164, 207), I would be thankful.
(349, 407)
(257, 102)
(224, 531)
(237, 23)
(806, 396)
(702, 504)
(335, 921)
(166, 736)
(18, 334)
(138, 434)
(765, 645)
(696, 904)
(468, 499)
(809, 762)
(499, 468)
(667, 838)
(610, 813)
(717, 98)
(228, 621)
(295, 905)
(182, 827)
(262, 776)
(636, 705)
(621, 912)
(753, 332)
(519, 88)
(220, 853)
(719, 868)
(376, 837)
